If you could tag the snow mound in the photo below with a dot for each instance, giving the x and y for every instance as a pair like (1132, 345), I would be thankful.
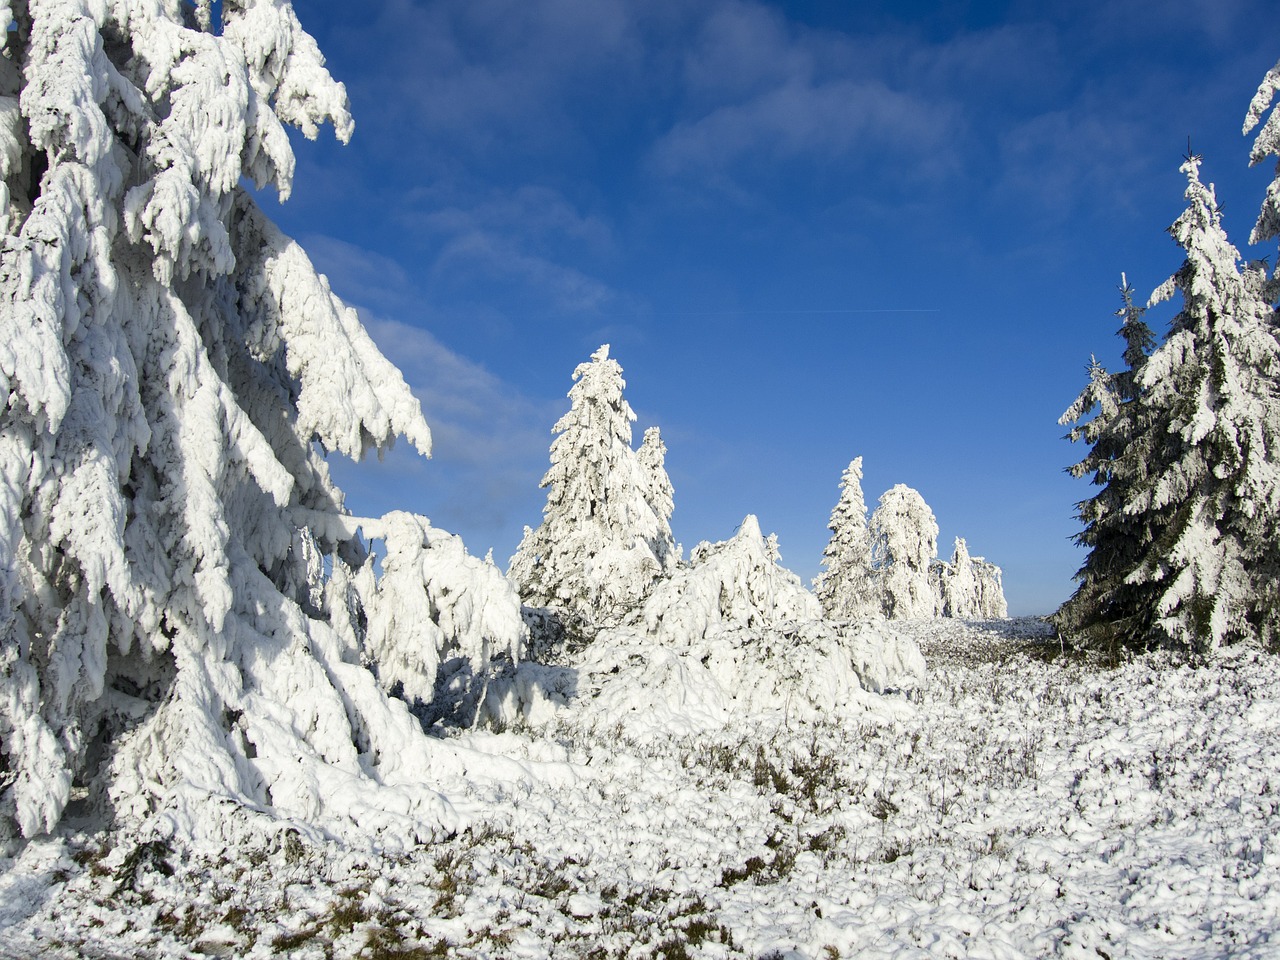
(800, 670)
(734, 583)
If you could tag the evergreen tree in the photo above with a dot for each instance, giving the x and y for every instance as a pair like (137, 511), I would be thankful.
(990, 580)
(904, 541)
(1198, 479)
(172, 369)
(847, 587)
(652, 456)
(957, 584)
(1107, 416)
(604, 537)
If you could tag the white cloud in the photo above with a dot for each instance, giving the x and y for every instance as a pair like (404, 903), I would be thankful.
(841, 118)
(489, 257)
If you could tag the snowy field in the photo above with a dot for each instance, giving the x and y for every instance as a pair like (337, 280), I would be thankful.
(1016, 805)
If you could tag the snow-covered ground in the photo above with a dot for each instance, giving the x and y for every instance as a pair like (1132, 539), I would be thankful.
(1016, 805)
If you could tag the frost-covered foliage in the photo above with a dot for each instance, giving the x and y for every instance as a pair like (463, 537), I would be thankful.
(969, 588)
(904, 542)
(734, 583)
(1266, 144)
(1020, 805)
(847, 587)
(1199, 474)
(173, 368)
(605, 536)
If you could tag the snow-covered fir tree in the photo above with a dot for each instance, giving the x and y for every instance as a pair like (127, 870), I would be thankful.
(1107, 417)
(991, 600)
(847, 587)
(955, 583)
(653, 458)
(173, 368)
(605, 536)
(904, 541)
(1200, 477)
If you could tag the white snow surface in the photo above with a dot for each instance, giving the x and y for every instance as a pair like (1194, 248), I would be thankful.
(1016, 804)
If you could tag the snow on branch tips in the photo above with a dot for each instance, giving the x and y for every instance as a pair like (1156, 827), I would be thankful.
(189, 626)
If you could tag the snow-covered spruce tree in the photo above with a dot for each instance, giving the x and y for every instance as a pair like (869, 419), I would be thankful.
(605, 536)
(955, 583)
(653, 458)
(1107, 416)
(173, 368)
(904, 541)
(1202, 477)
(847, 588)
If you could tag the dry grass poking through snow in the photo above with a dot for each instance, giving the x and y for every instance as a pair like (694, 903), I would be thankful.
(1025, 805)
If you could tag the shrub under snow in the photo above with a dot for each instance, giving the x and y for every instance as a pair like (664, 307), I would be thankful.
(737, 582)
(732, 633)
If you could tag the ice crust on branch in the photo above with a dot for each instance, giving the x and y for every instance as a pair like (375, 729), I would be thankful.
(1266, 144)
(173, 368)
(605, 536)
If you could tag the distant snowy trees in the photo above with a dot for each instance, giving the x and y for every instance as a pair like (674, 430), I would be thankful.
(605, 536)
(847, 588)
(904, 541)
(968, 588)
(890, 568)
(1186, 447)
(173, 371)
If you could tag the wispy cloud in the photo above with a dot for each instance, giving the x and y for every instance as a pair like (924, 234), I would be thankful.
(489, 450)
(837, 119)
(530, 241)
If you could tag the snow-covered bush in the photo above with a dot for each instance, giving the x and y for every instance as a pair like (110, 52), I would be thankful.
(847, 588)
(691, 683)
(173, 368)
(904, 541)
(605, 536)
(734, 583)
(433, 603)
(731, 633)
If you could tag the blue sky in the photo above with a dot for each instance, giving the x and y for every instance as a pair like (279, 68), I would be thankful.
(810, 231)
